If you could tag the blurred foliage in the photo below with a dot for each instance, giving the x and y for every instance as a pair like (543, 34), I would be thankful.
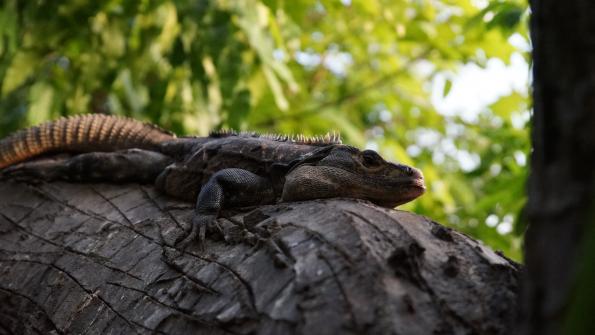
(365, 68)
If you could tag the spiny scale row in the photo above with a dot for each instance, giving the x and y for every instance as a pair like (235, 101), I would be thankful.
(328, 138)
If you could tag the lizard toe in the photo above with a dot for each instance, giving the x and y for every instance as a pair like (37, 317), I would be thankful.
(202, 226)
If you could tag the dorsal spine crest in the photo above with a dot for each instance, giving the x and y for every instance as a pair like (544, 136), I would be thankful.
(327, 139)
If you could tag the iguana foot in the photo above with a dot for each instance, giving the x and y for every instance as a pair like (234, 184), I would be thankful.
(227, 187)
(202, 224)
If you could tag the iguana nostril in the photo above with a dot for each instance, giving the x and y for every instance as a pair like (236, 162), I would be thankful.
(416, 173)
(412, 172)
(408, 170)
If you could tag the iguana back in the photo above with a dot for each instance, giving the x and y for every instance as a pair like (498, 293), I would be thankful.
(82, 133)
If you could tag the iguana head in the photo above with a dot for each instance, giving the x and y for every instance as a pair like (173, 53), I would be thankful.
(344, 171)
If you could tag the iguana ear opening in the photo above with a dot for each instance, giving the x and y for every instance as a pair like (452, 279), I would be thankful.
(311, 157)
(280, 170)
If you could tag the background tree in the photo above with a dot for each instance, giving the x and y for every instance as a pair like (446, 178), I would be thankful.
(368, 69)
(560, 242)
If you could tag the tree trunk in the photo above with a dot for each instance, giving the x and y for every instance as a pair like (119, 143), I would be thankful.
(95, 258)
(561, 193)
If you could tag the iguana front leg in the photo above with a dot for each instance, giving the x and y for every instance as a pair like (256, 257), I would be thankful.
(226, 188)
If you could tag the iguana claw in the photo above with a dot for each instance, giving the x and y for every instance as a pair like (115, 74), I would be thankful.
(201, 225)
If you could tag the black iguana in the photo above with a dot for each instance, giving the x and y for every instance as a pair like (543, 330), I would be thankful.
(225, 169)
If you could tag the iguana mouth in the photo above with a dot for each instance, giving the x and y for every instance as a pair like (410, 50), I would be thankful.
(418, 184)
(416, 188)
(406, 191)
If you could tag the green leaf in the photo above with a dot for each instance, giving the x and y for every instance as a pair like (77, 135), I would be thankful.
(23, 65)
(41, 96)
(505, 106)
(447, 87)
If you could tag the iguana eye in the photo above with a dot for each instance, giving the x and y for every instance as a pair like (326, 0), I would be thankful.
(371, 158)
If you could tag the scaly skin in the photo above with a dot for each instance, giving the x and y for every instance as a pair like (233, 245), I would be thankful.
(220, 171)
(85, 133)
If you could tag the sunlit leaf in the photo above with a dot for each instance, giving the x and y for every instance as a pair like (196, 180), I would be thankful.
(447, 87)
(509, 104)
(41, 97)
(23, 65)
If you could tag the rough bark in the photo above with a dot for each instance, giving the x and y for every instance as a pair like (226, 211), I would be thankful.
(94, 259)
(561, 192)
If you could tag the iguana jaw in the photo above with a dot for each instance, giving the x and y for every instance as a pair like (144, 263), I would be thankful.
(311, 181)
(414, 188)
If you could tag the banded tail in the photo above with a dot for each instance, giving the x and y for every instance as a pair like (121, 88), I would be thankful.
(81, 133)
